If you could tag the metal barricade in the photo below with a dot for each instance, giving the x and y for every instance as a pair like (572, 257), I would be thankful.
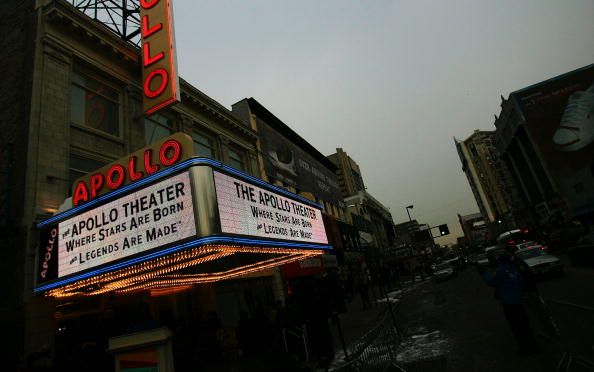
(569, 325)
(574, 324)
(295, 341)
(375, 351)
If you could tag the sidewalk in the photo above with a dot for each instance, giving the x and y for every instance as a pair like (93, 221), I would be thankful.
(356, 322)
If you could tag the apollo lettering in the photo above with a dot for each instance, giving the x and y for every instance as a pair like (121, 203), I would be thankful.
(48, 252)
(147, 30)
(135, 169)
(159, 73)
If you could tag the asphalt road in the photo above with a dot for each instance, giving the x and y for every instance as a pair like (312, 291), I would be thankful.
(457, 325)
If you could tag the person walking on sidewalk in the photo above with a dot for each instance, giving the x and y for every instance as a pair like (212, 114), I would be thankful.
(363, 287)
(509, 291)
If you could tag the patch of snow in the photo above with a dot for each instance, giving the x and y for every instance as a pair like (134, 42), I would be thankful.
(423, 346)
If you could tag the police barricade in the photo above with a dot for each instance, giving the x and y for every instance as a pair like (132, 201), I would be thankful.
(571, 326)
(375, 351)
(575, 324)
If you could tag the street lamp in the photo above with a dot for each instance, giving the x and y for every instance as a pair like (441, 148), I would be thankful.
(407, 208)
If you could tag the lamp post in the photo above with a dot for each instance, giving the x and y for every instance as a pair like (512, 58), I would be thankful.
(407, 212)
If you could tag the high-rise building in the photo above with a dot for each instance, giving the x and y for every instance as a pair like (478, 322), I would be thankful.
(348, 173)
(372, 218)
(485, 173)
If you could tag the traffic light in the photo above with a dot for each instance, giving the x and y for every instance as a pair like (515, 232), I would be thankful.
(443, 230)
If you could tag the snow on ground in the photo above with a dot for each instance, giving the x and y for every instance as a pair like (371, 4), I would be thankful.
(423, 346)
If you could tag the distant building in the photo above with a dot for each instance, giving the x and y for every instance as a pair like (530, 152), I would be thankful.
(476, 232)
(487, 176)
(412, 235)
(348, 173)
(373, 219)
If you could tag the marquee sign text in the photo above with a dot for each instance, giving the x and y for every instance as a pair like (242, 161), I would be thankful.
(246, 209)
(149, 218)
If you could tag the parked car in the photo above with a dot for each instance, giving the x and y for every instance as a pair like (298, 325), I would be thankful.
(582, 253)
(528, 245)
(494, 252)
(539, 261)
(565, 237)
(531, 245)
(482, 259)
(513, 237)
(455, 260)
(444, 271)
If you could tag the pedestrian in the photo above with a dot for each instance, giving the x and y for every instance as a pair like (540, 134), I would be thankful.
(509, 291)
(364, 291)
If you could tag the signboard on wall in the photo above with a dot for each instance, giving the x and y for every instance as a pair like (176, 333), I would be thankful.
(246, 209)
(286, 162)
(559, 115)
(160, 83)
(149, 218)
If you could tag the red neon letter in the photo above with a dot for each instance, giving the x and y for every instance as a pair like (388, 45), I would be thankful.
(147, 4)
(96, 183)
(170, 144)
(132, 173)
(147, 83)
(150, 168)
(111, 184)
(147, 31)
(80, 193)
(147, 60)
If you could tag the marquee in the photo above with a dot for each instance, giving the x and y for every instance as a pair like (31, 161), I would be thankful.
(193, 222)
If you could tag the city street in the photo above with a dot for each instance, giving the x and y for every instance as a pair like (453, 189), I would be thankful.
(459, 324)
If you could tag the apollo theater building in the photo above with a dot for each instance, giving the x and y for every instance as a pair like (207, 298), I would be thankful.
(133, 218)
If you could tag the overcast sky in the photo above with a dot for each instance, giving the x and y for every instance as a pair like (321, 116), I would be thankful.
(390, 82)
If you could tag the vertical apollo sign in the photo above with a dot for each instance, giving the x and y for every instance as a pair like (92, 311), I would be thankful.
(160, 83)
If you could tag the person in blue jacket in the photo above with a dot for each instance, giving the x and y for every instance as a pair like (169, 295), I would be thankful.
(509, 291)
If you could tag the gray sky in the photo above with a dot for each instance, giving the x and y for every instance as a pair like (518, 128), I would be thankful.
(391, 82)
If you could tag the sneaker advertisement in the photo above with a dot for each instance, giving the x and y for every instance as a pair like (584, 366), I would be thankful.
(559, 116)
(285, 161)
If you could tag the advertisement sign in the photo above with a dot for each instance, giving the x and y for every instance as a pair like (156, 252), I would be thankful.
(245, 209)
(288, 163)
(559, 116)
(144, 162)
(160, 82)
(151, 217)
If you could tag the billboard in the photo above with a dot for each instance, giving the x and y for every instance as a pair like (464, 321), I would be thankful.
(150, 217)
(246, 209)
(286, 162)
(559, 115)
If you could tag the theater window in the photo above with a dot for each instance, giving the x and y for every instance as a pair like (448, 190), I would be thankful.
(80, 165)
(157, 127)
(236, 159)
(204, 145)
(94, 105)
